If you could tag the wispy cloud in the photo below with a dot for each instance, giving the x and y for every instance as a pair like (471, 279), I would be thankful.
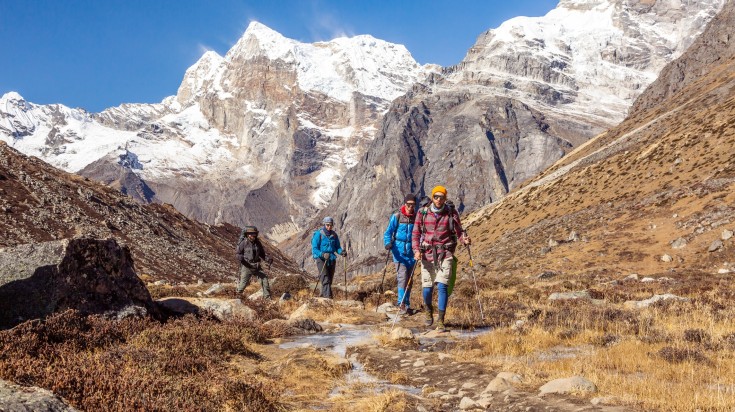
(324, 25)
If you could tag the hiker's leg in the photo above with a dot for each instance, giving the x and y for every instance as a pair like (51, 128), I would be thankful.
(265, 285)
(327, 280)
(409, 272)
(245, 274)
(443, 297)
(442, 279)
(401, 278)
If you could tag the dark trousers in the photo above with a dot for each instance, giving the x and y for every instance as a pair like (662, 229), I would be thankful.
(327, 274)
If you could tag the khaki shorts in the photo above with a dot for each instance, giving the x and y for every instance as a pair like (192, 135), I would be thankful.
(438, 273)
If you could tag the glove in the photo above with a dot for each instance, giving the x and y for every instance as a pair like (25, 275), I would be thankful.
(326, 256)
(344, 254)
(389, 246)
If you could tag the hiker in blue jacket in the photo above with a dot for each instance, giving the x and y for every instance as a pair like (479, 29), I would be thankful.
(324, 248)
(397, 239)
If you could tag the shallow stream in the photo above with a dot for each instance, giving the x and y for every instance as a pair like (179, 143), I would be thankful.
(347, 335)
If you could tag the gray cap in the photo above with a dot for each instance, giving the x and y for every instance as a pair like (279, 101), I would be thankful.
(328, 220)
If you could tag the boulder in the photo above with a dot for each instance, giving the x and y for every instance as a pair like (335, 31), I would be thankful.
(401, 333)
(15, 398)
(581, 295)
(92, 276)
(640, 304)
(574, 384)
(222, 309)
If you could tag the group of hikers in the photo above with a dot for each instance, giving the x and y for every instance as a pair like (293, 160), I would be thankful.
(429, 235)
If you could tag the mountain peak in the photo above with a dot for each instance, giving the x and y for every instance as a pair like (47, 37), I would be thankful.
(11, 96)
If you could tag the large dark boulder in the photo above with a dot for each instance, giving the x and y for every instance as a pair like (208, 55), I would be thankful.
(15, 398)
(90, 275)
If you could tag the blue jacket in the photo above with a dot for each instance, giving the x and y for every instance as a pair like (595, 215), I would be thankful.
(325, 242)
(402, 226)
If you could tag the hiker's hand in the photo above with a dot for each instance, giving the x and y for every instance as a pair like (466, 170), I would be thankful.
(389, 246)
(344, 254)
(417, 256)
(326, 256)
(466, 240)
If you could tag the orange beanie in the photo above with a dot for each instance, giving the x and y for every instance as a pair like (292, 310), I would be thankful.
(439, 189)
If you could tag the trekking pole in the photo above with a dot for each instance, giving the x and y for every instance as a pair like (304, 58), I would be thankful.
(381, 282)
(345, 284)
(477, 293)
(409, 284)
(319, 280)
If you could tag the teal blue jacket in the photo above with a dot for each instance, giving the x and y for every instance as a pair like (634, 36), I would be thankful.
(325, 241)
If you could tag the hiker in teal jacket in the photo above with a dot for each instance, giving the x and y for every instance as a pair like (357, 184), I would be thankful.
(324, 248)
(397, 239)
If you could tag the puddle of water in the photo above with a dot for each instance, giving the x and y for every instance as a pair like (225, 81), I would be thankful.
(338, 342)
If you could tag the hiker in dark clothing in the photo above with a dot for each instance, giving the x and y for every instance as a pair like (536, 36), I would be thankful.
(324, 248)
(436, 232)
(250, 253)
(397, 239)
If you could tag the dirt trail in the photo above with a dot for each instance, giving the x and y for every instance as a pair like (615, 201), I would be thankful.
(426, 369)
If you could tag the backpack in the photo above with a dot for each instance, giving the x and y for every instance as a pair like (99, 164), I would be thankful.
(425, 209)
(400, 218)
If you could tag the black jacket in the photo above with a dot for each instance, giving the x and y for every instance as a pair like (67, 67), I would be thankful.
(250, 253)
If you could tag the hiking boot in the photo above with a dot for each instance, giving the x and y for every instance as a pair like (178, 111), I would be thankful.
(429, 318)
(440, 326)
(440, 322)
(402, 309)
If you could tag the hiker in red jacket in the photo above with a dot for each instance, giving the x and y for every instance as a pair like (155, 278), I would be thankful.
(436, 232)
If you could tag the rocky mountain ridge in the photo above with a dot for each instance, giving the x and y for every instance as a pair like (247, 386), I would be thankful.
(652, 196)
(525, 95)
(39, 203)
(259, 136)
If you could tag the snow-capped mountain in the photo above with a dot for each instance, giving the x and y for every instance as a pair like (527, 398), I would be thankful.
(526, 93)
(260, 136)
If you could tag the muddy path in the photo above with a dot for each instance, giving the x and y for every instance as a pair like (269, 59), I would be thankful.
(417, 367)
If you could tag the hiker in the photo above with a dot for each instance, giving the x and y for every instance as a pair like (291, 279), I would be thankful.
(250, 252)
(324, 246)
(397, 239)
(436, 231)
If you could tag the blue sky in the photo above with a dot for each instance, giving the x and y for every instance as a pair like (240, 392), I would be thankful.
(98, 54)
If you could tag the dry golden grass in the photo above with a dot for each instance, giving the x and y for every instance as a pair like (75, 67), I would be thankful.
(390, 401)
(671, 356)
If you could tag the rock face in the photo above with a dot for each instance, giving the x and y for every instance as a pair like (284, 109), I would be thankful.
(260, 136)
(675, 148)
(39, 203)
(89, 275)
(714, 45)
(15, 398)
(526, 94)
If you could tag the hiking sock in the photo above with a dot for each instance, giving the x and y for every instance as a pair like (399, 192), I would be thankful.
(443, 296)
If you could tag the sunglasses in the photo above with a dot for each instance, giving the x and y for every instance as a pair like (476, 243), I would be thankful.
(437, 197)
(411, 204)
(329, 224)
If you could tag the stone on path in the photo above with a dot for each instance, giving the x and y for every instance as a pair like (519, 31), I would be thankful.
(467, 403)
(222, 309)
(498, 385)
(400, 333)
(574, 384)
